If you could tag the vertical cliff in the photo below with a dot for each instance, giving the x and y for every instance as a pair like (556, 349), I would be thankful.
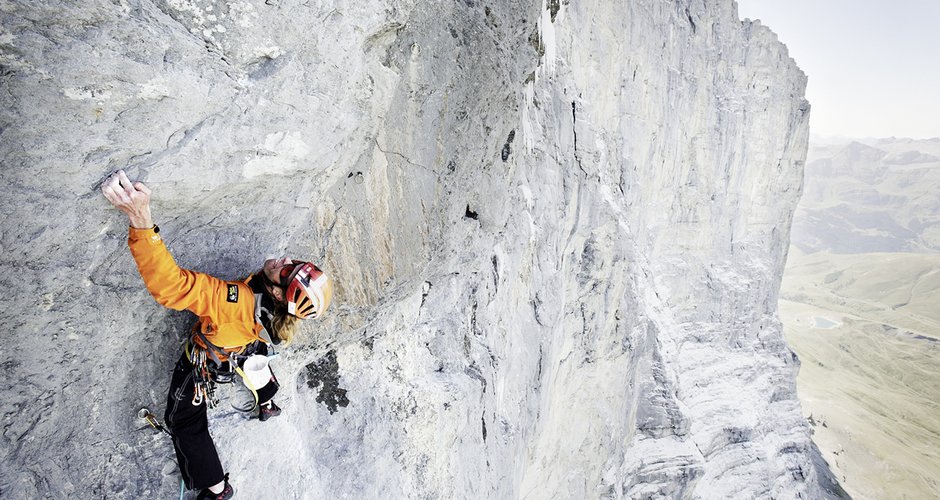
(557, 230)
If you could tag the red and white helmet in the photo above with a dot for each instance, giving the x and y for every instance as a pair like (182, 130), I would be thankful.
(309, 291)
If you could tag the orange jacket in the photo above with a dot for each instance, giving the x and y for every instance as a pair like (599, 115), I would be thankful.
(226, 309)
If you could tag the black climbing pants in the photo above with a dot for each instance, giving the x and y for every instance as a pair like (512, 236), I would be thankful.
(195, 452)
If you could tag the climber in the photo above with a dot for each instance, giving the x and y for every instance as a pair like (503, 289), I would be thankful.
(237, 319)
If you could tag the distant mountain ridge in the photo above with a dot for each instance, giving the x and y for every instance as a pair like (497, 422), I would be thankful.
(878, 195)
(858, 302)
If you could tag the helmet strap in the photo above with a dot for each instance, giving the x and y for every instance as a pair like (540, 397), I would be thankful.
(272, 285)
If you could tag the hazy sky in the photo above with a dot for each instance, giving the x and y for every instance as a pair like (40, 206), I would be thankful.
(873, 65)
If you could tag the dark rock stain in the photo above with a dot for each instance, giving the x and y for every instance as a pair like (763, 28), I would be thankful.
(495, 274)
(470, 214)
(324, 373)
(554, 6)
(736, 435)
(507, 147)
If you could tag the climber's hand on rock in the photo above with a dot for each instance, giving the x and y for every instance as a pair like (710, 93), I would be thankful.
(132, 198)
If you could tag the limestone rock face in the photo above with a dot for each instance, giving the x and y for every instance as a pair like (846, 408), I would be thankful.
(557, 232)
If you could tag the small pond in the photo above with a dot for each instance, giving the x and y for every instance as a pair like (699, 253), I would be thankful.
(824, 323)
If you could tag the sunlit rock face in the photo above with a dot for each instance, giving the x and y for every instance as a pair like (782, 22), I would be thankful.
(557, 232)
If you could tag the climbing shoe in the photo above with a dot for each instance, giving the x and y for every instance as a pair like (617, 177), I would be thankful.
(268, 410)
(226, 493)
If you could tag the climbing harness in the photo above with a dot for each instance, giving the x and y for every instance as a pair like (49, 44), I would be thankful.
(209, 370)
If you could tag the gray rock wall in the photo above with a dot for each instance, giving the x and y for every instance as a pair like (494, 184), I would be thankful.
(557, 232)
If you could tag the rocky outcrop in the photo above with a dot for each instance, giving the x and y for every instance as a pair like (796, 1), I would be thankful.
(557, 231)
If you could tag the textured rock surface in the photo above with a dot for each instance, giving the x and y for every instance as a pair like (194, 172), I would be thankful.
(558, 232)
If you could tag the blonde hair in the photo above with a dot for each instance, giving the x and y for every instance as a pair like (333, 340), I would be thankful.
(285, 325)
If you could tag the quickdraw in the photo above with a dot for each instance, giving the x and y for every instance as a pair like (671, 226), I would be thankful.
(203, 380)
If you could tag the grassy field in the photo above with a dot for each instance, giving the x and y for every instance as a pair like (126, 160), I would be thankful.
(867, 330)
